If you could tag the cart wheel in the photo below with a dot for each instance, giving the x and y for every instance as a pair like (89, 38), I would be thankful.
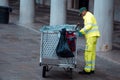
(75, 66)
(44, 71)
(71, 71)
(40, 64)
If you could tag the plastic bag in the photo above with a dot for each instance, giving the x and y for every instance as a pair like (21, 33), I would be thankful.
(63, 49)
(71, 40)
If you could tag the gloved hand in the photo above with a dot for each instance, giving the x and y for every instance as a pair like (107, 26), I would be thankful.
(80, 34)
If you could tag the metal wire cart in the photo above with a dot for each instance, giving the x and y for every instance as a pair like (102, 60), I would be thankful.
(48, 58)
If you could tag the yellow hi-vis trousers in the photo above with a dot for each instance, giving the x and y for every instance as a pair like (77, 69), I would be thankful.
(90, 54)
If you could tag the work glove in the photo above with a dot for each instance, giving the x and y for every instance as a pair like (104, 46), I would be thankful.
(80, 34)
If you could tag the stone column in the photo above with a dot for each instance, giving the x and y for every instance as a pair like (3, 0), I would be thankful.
(41, 2)
(58, 12)
(103, 11)
(69, 4)
(37, 1)
(91, 6)
(26, 12)
(4, 3)
(47, 2)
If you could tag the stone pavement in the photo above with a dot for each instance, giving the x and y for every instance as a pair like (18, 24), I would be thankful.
(19, 59)
(42, 17)
(19, 54)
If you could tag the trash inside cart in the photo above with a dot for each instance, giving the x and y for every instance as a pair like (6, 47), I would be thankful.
(50, 47)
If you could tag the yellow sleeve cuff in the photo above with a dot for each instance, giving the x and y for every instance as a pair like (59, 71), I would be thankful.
(82, 31)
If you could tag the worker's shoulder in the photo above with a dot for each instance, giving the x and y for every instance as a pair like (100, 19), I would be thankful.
(89, 13)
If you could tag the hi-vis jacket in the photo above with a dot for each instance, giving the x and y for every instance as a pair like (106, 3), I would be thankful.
(90, 26)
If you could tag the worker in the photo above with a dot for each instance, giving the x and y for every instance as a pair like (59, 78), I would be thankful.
(91, 33)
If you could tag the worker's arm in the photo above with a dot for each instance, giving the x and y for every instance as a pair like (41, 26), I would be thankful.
(88, 25)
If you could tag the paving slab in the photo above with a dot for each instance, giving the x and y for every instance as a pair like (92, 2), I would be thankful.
(19, 59)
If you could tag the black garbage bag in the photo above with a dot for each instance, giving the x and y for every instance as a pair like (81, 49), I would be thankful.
(63, 49)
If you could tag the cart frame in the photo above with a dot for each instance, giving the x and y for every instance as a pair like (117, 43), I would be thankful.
(49, 40)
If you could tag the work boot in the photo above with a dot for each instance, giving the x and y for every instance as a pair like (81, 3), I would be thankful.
(84, 72)
(92, 72)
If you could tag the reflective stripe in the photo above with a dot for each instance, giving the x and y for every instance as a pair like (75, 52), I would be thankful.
(95, 25)
(88, 67)
(93, 67)
(93, 30)
(90, 62)
(85, 30)
(93, 62)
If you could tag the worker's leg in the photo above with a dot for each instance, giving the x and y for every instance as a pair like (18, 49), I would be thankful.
(89, 51)
(94, 53)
